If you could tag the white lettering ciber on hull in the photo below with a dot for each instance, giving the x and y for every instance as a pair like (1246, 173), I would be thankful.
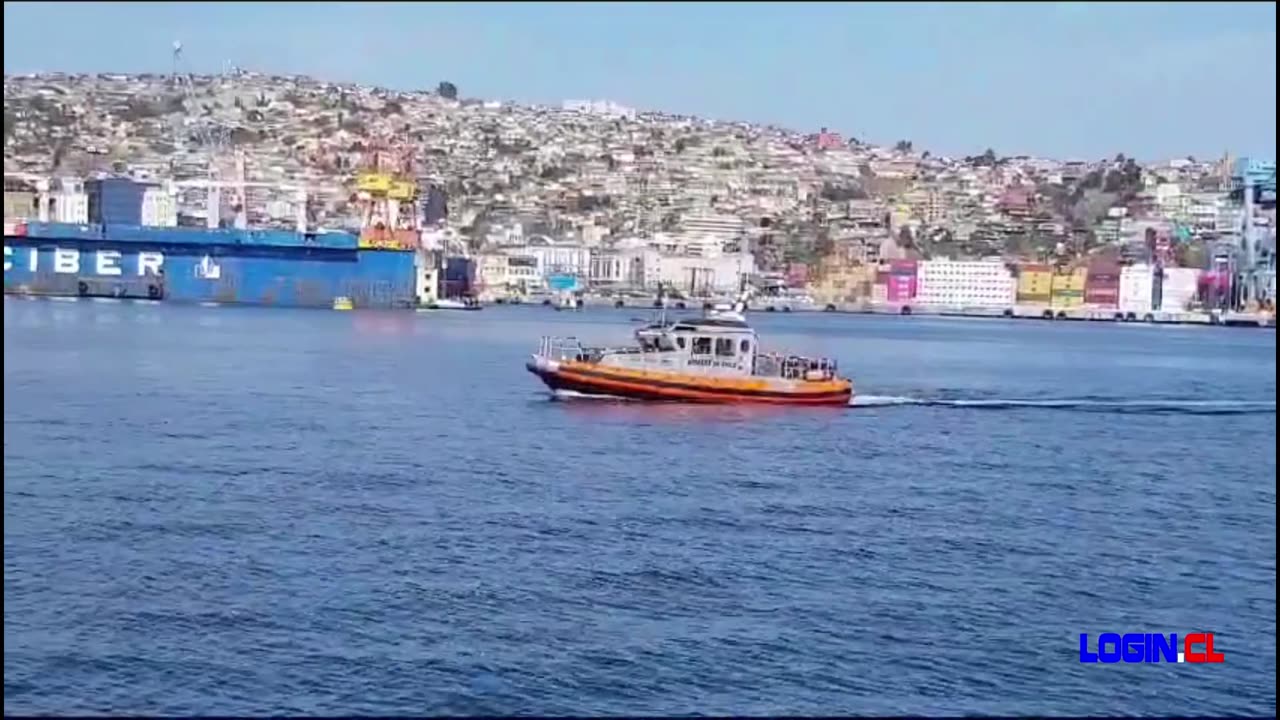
(66, 261)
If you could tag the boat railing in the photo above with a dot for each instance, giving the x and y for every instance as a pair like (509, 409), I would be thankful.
(794, 367)
(560, 348)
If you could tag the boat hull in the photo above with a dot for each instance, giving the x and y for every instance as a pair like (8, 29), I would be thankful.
(590, 379)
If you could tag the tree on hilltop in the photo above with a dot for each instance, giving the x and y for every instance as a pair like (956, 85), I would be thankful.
(447, 90)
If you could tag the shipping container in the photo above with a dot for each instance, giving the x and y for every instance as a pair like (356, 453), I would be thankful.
(159, 208)
(459, 268)
(1179, 288)
(1137, 284)
(902, 267)
(115, 201)
(456, 289)
(901, 288)
(19, 205)
(1034, 283)
(797, 275)
(1104, 267)
(1102, 288)
(1070, 280)
(1102, 296)
(1067, 298)
(69, 207)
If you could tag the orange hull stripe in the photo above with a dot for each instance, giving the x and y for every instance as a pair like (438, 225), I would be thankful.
(751, 385)
(623, 387)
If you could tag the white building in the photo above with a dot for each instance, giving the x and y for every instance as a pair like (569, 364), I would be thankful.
(1170, 200)
(634, 267)
(701, 245)
(556, 258)
(724, 227)
(965, 283)
(1202, 211)
(607, 108)
(707, 276)
(508, 271)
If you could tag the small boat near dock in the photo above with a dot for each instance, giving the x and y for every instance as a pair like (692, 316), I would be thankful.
(460, 303)
(713, 359)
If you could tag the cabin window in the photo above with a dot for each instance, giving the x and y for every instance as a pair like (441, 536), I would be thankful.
(745, 346)
(702, 346)
(724, 347)
(680, 342)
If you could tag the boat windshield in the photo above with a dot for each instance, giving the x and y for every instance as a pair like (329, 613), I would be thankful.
(657, 343)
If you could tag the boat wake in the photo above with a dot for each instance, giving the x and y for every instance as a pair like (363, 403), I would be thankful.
(1084, 404)
(1088, 404)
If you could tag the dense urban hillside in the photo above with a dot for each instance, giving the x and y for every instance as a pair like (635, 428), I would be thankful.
(594, 172)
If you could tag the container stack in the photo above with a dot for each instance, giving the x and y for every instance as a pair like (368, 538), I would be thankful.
(1179, 288)
(115, 201)
(1067, 288)
(159, 208)
(901, 283)
(459, 277)
(1035, 282)
(1136, 288)
(880, 290)
(69, 204)
(1102, 286)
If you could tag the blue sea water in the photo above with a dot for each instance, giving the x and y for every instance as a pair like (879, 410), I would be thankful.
(236, 511)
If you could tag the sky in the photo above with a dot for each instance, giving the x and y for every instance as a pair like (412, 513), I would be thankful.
(1067, 79)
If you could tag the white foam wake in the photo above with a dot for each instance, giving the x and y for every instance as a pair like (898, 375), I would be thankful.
(1169, 406)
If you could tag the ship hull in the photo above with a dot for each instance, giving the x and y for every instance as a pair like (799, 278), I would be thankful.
(589, 379)
(205, 266)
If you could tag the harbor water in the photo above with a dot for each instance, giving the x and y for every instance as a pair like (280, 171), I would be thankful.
(224, 510)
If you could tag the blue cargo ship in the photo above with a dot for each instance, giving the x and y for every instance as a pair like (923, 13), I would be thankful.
(257, 267)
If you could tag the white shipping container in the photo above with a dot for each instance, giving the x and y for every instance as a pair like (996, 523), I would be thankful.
(1136, 286)
(1181, 277)
(1178, 288)
(159, 208)
(69, 207)
(965, 283)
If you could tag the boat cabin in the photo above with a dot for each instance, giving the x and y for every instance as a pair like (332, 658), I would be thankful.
(707, 346)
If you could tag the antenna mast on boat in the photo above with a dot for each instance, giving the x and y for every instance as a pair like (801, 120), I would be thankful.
(744, 294)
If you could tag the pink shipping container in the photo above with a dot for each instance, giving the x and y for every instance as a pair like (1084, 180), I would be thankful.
(1104, 269)
(901, 288)
(1102, 296)
(1215, 280)
(902, 267)
(1102, 289)
(797, 275)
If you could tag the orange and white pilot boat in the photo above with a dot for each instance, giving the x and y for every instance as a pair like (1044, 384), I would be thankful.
(714, 359)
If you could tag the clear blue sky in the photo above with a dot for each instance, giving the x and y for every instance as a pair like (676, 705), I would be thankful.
(1061, 79)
